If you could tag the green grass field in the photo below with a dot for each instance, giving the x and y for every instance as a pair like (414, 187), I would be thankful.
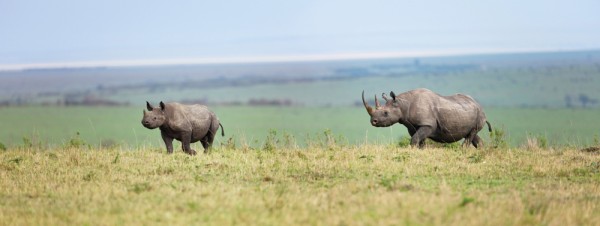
(250, 126)
(321, 185)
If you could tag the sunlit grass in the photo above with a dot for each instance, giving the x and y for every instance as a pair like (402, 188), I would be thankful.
(326, 184)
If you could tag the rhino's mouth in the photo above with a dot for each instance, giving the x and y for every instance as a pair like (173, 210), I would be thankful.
(149, 125)
(376, 123)
(380, 125)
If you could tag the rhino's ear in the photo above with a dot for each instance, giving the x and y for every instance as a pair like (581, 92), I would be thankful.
(149, 106)
(162, 106)
(393, 95)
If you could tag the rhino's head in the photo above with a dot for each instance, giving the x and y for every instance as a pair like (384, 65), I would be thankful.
(154, 117)
(386, 115)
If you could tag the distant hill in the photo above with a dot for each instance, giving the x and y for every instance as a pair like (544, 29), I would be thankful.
(533, 80)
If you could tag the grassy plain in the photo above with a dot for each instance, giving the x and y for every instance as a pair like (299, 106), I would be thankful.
(120, 126)
(331, 184)
(322, 164)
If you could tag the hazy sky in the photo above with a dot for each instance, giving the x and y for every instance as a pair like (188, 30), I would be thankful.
(35, 32)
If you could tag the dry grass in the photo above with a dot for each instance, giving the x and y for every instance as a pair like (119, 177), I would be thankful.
(363, 185)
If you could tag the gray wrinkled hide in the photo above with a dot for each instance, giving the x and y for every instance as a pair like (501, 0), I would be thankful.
(426, 114)
(185, 123)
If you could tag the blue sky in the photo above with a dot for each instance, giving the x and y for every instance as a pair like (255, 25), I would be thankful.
(71, 31)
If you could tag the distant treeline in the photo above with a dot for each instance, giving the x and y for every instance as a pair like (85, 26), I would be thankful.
(92, 100)
(88, 100)
(251, 102)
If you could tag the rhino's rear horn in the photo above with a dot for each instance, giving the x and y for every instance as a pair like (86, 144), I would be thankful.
(377, 105)
(384, 96)
(369, 108)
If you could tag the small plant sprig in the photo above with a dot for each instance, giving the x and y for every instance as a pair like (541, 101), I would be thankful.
(498, 138)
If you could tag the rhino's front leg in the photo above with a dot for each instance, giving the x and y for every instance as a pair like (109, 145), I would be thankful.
(168, 142)
(419, 137)
(185, 143)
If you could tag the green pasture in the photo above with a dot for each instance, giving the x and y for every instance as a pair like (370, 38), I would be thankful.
(250, 126)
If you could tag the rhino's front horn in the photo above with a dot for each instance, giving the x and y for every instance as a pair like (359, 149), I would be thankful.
(369, 108)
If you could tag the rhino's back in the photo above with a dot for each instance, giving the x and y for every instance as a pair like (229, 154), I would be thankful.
(199, 111)
(188, 116)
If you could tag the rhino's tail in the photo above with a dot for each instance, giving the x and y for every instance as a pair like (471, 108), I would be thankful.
(223, 130)
(489, 126)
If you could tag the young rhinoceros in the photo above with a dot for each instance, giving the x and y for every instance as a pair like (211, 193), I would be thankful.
(426, 114)
(185, 123)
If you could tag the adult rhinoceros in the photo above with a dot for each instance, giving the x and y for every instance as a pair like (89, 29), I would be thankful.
(426, 114)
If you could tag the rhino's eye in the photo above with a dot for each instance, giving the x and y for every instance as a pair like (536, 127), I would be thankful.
(154, 118)
(385, 113)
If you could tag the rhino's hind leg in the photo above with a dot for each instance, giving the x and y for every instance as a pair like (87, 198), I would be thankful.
(419, 137)
(472, 138)
(206, 146)
(207, 141)
(467, 141)
(477, 142)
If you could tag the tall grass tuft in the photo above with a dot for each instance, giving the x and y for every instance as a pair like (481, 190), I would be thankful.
(76, 142)
(498, 138)
(535, 142)
(271, 141)
(404, 142)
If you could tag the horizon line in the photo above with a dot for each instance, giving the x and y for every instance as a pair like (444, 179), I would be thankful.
(270, 59)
